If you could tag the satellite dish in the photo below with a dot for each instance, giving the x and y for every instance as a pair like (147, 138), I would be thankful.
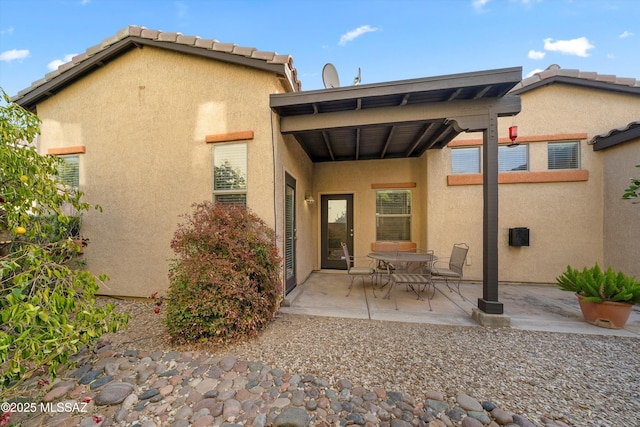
(330, 76)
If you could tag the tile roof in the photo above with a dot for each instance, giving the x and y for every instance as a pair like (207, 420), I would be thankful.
(616, 136)
(169, 38)
(554, 74)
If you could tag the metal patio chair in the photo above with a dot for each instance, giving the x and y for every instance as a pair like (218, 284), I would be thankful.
(356, 271)
(414, 274)
(451, 271)
(384, 268)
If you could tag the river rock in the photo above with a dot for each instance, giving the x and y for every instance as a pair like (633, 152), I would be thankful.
(113, 394)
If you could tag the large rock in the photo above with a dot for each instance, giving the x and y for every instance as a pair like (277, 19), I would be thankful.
(292, 416)
(113, 394)
(469, 403)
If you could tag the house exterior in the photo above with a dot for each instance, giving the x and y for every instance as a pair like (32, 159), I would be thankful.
(575, 213)
(158, 121)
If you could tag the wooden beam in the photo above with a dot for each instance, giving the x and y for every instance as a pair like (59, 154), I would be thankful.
(489, 302)
(423, 134)
(457, 110)
(386, 145)
(327, 143)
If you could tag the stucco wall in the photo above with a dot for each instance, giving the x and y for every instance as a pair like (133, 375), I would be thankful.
(621, 217)
(291, 159)
(565, 218)
(143, 119)
(357, 178)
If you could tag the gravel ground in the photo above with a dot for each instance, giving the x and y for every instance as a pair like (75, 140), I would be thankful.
(582, 380)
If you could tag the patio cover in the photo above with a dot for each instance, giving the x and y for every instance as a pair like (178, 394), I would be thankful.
(404, 119)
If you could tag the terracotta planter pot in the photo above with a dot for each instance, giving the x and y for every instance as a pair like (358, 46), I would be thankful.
(607, 314)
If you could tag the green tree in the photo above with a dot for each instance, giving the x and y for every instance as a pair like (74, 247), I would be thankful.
(47, 307)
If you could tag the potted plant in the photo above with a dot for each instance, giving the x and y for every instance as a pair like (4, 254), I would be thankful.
(606, 297)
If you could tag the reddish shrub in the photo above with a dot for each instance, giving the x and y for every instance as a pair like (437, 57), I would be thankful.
(225, 281)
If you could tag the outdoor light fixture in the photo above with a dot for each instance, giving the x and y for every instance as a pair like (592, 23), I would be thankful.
(309, 199)
(513, 134)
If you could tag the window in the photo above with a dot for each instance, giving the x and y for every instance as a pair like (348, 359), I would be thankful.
(465, 160)
(393, 215)
(513, 158)
(230, 173)
(69, 170)
(563, 155)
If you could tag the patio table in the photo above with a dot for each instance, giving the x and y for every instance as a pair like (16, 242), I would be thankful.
(391, 257)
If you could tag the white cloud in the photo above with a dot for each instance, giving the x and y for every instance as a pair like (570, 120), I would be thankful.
(12, 55)
(83, 2)
(626, 34)
(7, 31)
(53, 65)
(535, 54)
(537, 70)
(578, 47)
(479, 4)
(356, 33)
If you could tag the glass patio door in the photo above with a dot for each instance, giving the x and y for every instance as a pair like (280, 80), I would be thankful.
(336, 215)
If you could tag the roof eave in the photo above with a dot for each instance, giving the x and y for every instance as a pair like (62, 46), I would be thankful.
(587, 83)
(31, 97)
(513, 74)
(616, 136)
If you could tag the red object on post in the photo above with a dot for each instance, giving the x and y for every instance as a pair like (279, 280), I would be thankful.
(513, 133)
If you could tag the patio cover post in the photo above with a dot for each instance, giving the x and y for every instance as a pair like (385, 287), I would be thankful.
(489, 302)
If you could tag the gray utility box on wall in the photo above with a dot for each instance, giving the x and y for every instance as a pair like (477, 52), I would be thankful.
(519, 236)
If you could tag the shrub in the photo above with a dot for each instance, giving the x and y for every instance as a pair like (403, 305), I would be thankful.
(598, 286)
(47, 307)
(225, 282)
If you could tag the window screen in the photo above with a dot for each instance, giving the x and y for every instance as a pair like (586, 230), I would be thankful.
(563, 155)
(69, 171)
(230, 173)
(465, 160)
(393, 215)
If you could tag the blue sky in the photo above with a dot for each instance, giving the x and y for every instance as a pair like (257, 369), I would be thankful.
(388, 40)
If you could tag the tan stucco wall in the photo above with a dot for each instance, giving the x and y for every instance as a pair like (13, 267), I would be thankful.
(357, 178)
(143, 119)
(621, 217)
(565, 218)
(291, 159)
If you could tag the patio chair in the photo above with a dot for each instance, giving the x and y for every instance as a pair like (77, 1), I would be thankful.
(413, 274)
(451, 271)
(384, 268)
(355, 271)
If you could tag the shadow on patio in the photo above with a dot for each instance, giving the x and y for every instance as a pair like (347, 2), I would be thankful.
(540, 308)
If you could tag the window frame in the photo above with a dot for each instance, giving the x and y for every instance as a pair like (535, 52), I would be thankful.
(220, 194)
(578, 159)
(408, 207)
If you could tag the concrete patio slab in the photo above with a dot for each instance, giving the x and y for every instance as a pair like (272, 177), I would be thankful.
(529, 307)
